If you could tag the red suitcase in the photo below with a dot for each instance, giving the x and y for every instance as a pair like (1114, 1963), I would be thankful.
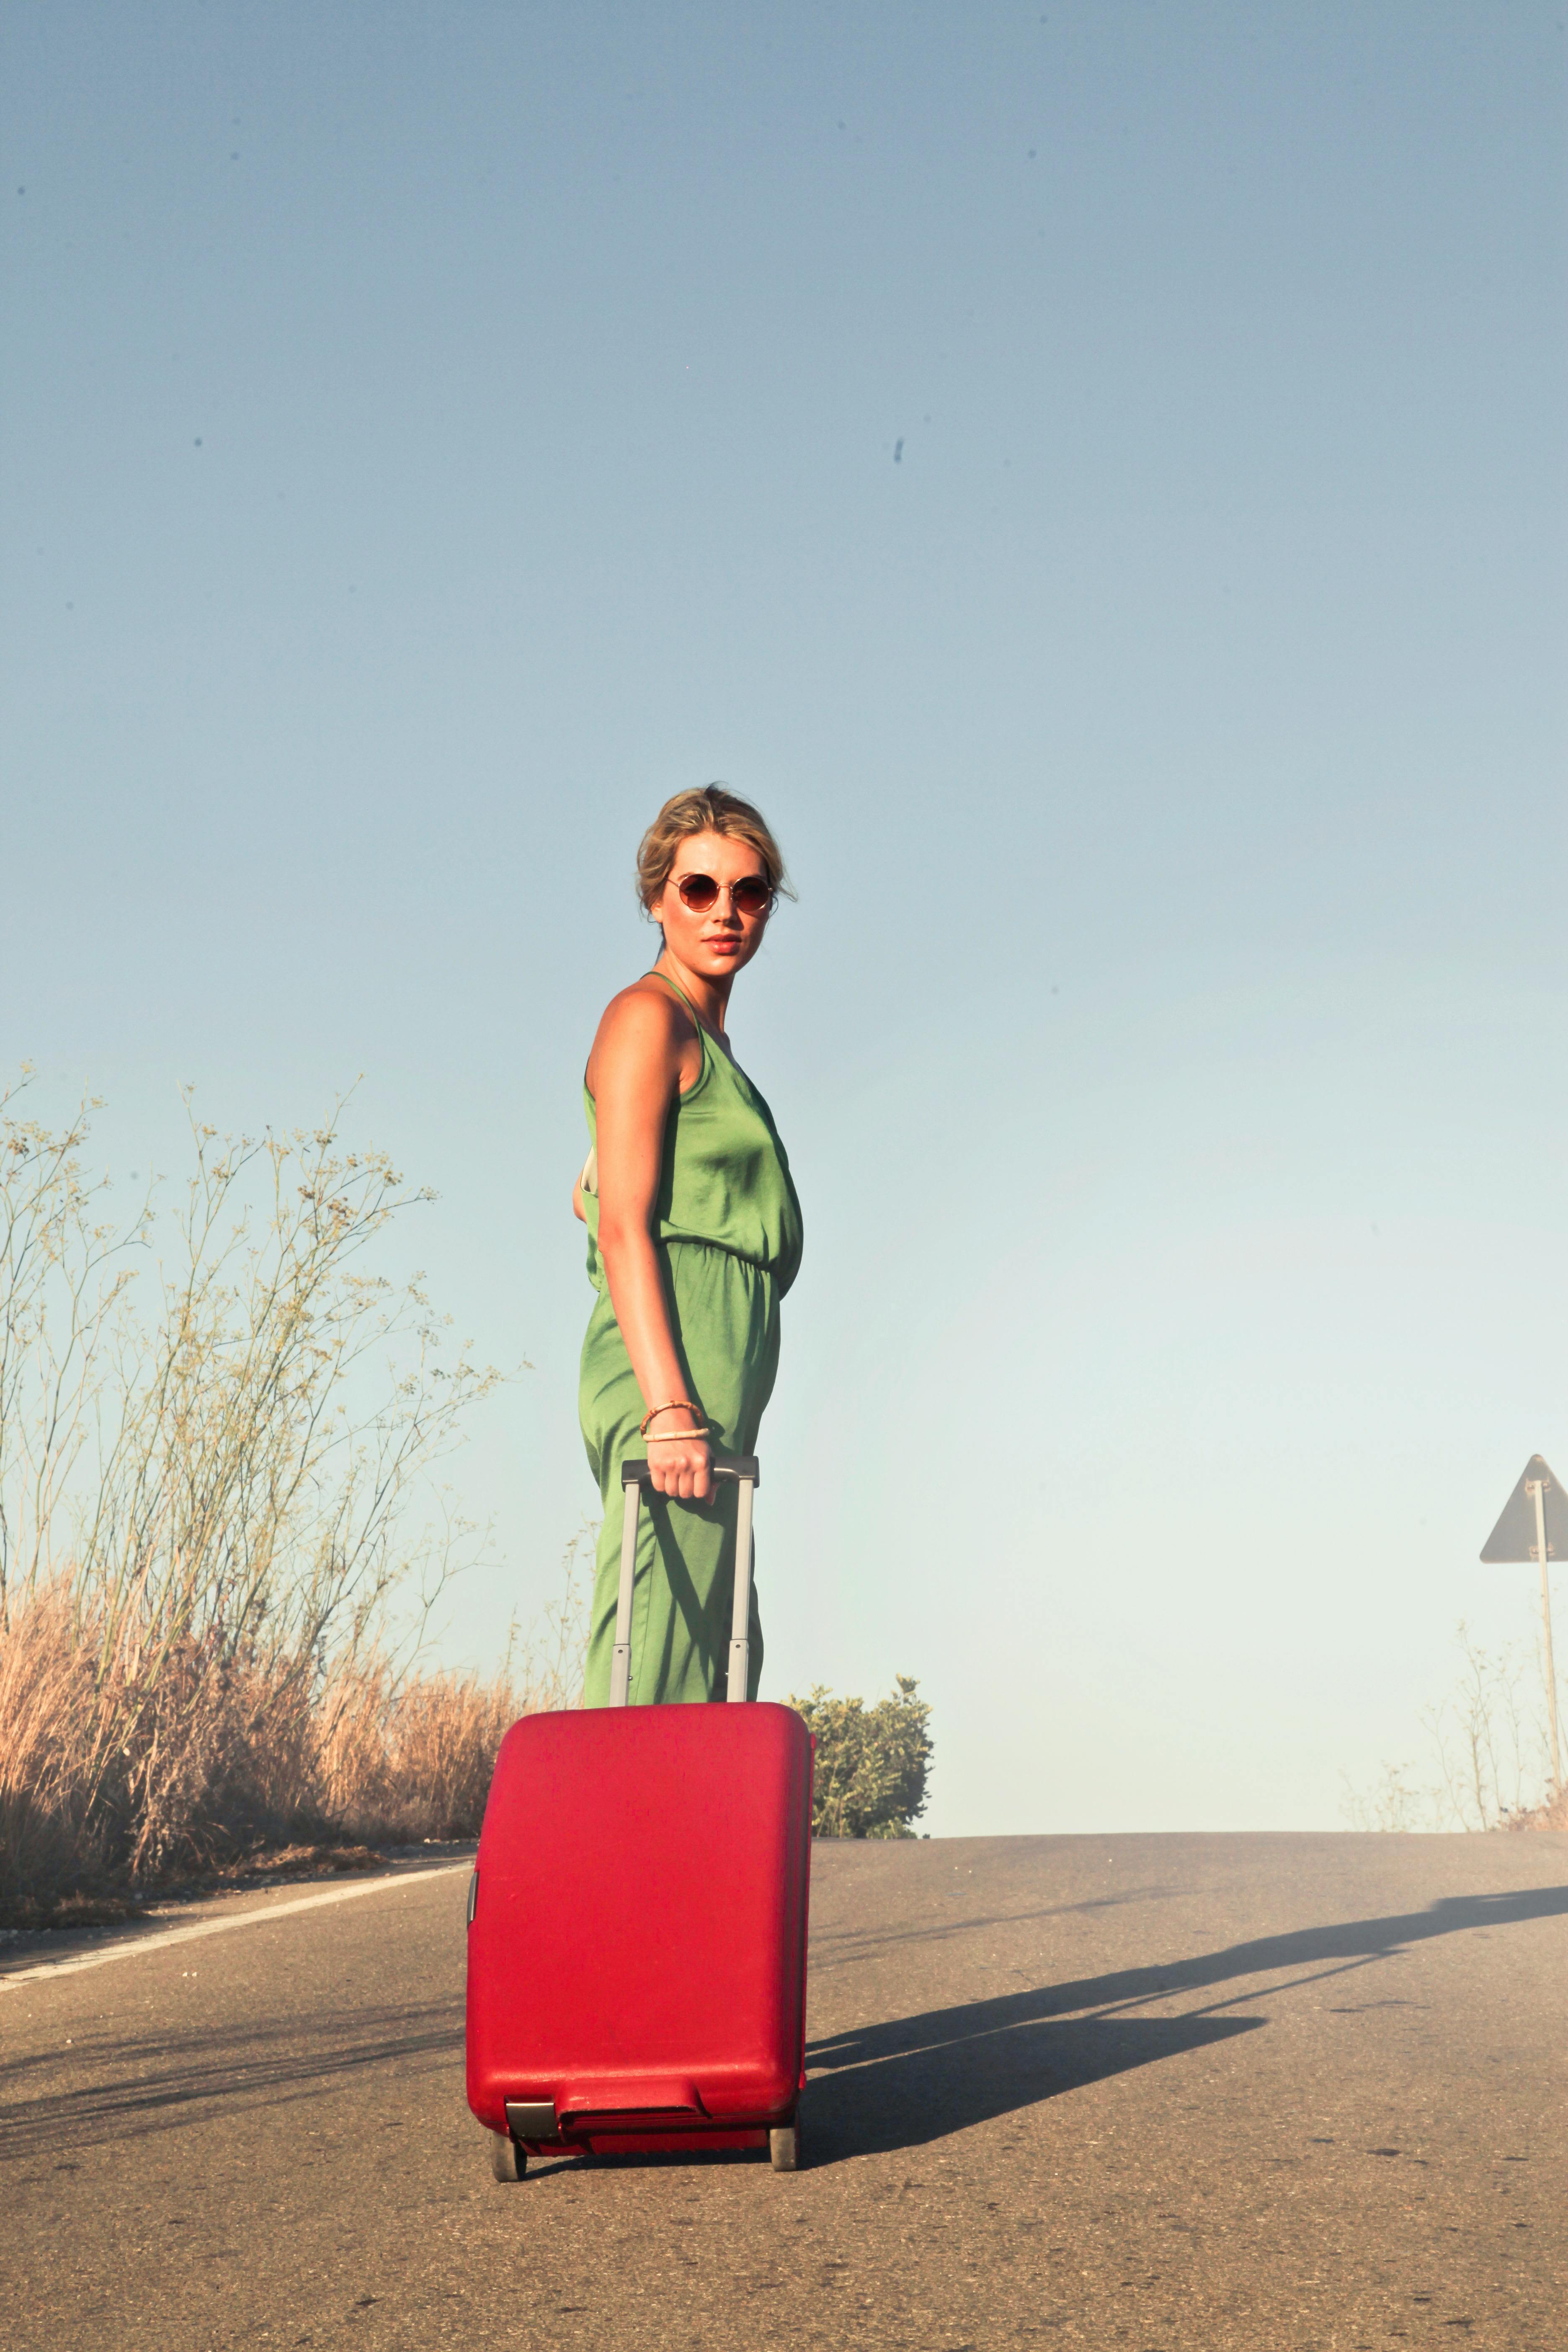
(638, 1914)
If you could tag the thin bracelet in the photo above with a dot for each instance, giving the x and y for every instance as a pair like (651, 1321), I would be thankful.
(674, 1436)
(675, 1404)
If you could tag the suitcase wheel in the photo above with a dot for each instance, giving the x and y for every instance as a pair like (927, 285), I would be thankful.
(783, 2148)
(508, 2161)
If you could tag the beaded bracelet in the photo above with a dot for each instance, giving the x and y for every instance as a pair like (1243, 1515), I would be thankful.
(675, 1404)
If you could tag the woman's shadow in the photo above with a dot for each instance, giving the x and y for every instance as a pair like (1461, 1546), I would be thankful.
(911, 2080)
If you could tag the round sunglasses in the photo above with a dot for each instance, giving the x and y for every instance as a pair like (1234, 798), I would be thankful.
(749, 896)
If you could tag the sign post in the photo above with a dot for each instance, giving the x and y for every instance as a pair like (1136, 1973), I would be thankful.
(1537, 1488)
(1534, 1525)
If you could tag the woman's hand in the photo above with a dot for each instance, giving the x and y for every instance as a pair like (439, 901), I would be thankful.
(681, 1470)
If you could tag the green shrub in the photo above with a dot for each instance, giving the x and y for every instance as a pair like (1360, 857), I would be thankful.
(871, 1762)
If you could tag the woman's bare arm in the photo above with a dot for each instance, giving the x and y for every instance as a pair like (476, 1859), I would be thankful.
(646, 1045)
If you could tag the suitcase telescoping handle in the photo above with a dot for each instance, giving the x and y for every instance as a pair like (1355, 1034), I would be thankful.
(743, 1468)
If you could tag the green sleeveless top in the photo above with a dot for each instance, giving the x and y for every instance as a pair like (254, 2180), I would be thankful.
(724, 1178)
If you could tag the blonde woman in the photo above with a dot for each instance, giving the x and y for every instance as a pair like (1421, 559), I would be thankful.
(694, 1236)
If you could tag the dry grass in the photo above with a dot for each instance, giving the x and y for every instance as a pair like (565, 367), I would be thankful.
(220, 1539)
(1487, 1754)
(200, 1767)
(1551, 1813)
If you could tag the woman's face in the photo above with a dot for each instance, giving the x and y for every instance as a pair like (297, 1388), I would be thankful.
(718, 940)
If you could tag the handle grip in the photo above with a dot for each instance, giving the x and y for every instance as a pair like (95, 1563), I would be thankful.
(744, 1469)
(721, 1465)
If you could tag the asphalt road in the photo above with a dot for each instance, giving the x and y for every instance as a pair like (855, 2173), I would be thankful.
(1153, 2092)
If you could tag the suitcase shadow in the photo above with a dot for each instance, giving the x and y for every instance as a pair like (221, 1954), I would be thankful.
(910, 2080)
(909, 2097)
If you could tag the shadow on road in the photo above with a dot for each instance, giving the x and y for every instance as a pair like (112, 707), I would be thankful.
(909, 2080)
(137, 2086)
(906, 2097)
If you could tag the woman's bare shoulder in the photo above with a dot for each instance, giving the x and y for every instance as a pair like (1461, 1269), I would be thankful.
(646, 1020)
(645, 1010)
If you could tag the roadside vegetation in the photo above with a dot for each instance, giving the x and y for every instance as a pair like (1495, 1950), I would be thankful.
(222, 1530)
(872, 1762)
(1484, 1761)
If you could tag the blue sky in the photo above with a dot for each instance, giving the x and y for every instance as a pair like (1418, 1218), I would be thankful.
(1095, 476)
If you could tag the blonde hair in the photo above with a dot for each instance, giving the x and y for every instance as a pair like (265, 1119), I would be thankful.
(707, 808)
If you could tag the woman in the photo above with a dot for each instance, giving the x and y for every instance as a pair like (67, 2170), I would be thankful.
(693, 1238)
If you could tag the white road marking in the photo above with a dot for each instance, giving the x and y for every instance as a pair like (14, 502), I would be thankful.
(259, 1918)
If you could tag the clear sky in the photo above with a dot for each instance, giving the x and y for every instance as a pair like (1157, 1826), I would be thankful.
(1095, 474)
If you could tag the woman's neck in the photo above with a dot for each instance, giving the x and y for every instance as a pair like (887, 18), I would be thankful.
(710, 998)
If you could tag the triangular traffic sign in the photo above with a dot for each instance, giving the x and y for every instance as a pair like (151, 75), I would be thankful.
(1513, 1537)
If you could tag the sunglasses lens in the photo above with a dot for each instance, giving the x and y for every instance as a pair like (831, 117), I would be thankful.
(749, 896)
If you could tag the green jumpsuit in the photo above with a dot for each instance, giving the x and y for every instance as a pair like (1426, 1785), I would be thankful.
(726, 1229)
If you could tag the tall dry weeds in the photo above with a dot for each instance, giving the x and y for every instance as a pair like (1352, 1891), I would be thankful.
(1488, 1751)
(227, 1763)
(220, 1536)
